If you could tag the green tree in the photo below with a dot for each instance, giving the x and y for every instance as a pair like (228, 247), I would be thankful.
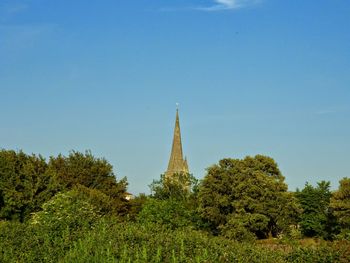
(177, 186)
(28, 181)
(173, 202)
(103, 204)
(316, 219)
(245, 199)
(136, 205)
(340, 203)
(87, 170)
(91, 172)
(25, 184)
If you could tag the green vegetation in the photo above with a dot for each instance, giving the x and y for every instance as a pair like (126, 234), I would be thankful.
(340, 203)
(247, 199)
(73, 209)
(317, 219)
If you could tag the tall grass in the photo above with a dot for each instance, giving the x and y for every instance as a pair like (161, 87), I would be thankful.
(111, 241)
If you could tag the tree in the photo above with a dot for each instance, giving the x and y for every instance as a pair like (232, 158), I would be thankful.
(178, 186)
(87, 170)
(136, 205)
(245, 199)
(316, 219)
(91, 172)
(28, 181)
(103, 204)
(173, 202)
(340, 203)
(25, 184)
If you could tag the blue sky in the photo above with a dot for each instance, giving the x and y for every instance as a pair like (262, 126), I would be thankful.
(252, 77)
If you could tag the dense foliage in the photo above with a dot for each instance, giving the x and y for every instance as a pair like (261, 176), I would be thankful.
(317, 219)
(109, 240)
(28, 181)
(247, 199)
(86, 170)
(173, 202)
(340, 204)
(72, 209)
(179, 186)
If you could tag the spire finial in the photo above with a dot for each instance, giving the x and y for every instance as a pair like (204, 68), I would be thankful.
(177, 106)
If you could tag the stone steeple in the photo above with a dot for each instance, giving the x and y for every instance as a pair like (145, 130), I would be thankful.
(177, 164)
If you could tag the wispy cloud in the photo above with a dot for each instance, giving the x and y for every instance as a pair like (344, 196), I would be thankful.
(332, 110)
(324, 112)
(217, 5)
(223, 5)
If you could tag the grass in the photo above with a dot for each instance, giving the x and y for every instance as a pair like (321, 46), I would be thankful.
(112, 241)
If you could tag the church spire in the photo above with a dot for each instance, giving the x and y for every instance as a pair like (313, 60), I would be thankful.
(177, 164)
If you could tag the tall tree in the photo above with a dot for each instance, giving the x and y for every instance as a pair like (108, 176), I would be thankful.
(246, 198)
(25, 184)
(28, 181)
(340, 203)
(86, 170)
(316, 219)
(83, 169)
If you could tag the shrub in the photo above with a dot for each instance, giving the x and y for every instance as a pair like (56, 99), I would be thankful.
(133, 242)
(65, 211)
(170, 212)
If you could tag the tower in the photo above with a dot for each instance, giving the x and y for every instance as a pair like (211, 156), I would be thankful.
(177, 164)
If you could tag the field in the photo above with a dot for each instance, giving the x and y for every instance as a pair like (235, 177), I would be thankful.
(109, 240)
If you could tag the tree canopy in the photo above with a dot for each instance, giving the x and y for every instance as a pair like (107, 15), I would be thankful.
(69, 206)
(25, 184)
(246, 198)
(178, 186)
(340, 203)
(316, 219)
(28, 181)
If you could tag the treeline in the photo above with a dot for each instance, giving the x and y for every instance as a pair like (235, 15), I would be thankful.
(248, 199)
(27, 182)
(73, 209)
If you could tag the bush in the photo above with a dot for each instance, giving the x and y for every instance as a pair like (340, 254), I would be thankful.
(132, 242)
(65, 211)
(310, 255)
(110, 240)
(170, 212)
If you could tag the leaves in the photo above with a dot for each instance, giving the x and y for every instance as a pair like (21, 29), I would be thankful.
(249, 194)
(65, 210)
(178, 186)
(340, 203)
(28, 181)
(25, 184)
(316, 219)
